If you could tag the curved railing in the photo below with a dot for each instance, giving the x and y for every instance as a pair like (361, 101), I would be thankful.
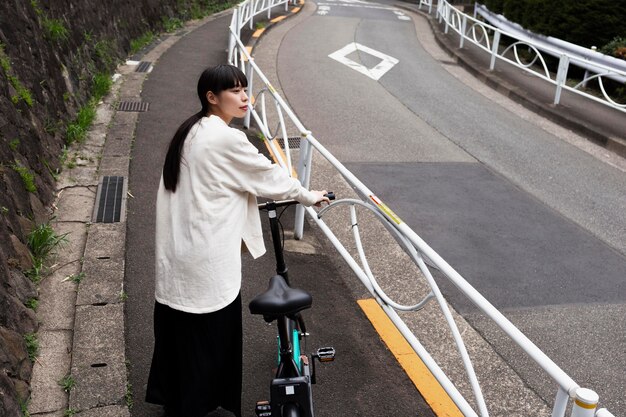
(270, 109)
(488, 38)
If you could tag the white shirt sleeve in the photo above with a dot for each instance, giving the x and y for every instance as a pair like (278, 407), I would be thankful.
(252, 172)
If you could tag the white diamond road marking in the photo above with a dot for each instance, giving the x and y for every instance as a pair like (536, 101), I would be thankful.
(374, 73)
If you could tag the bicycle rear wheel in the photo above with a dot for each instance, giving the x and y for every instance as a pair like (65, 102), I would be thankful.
(290, 410)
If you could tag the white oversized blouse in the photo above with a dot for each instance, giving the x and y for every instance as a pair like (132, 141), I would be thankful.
(200, 227)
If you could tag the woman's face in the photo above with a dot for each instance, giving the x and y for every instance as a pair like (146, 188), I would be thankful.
(229, 103)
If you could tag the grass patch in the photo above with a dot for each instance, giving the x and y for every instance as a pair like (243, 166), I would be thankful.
(32, 345)
(32, 303)
(4, 210)
(69, 412)
(104, 50)
(28, 178)
(77, 130)
(22, 93)
(142, 41)
(101, 85)
(54, 29)
(67, 383)
(171, 24)
(128, 396)
(42, 242)
(14, 144)
(24, 407)
(75, 278)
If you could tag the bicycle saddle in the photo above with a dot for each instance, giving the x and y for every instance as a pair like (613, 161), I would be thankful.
(280, 300)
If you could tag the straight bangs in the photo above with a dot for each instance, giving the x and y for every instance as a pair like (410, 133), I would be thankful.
(228, 77)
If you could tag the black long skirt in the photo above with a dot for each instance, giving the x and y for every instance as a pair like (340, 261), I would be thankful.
(196, 365)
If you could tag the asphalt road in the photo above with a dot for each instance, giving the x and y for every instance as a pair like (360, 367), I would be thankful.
(534, 223)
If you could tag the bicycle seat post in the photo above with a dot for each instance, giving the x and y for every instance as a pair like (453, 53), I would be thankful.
(281, 267)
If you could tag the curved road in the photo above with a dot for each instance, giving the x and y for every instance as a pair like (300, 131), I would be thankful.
(536, 224)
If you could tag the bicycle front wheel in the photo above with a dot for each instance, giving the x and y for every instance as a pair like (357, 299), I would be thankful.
(290, 410)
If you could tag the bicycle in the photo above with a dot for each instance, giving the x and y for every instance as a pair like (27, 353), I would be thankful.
(290, 389)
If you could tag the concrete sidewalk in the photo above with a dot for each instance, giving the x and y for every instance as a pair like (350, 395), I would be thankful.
(598, 123)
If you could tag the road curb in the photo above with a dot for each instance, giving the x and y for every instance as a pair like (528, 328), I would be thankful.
(593, 133)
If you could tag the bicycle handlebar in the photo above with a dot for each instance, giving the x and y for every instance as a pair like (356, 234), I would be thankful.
(284, 203)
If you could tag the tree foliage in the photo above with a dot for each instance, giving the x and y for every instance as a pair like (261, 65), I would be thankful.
(583, 22)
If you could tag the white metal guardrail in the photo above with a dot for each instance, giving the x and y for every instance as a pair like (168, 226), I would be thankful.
(489, 39)
(584, 401)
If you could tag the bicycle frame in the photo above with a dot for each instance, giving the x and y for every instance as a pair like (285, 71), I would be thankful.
(290, 390)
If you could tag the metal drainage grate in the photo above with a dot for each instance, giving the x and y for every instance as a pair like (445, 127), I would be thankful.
(144, 66)
(132, 106)
(109, 200)
(294, 143)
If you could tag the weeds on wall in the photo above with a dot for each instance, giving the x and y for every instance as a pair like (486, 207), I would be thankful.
(32, 345)
(21, 93)
(54, 29)
(43, 241)
(28, 178)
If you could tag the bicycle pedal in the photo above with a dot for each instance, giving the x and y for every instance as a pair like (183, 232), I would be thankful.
(325, 354)
(263, 409)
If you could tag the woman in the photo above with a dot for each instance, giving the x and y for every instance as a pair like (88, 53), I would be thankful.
(206, 212)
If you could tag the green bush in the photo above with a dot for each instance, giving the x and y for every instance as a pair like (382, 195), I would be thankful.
(584, 22)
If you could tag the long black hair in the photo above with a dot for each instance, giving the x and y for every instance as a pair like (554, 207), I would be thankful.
(215, 79)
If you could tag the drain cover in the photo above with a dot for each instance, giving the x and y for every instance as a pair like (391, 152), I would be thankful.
(294, 143)
(109, 200)
(132, 106)
(144, 66)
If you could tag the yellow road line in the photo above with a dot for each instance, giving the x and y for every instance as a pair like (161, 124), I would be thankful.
(295, 10)
(278, 19)
(257, 33)
(436, 397)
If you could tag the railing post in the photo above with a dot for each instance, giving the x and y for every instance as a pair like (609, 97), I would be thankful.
(585, 403)
(560, 403)
(304, 175)
(231, 40)
(494, 50)
(446, 12)
(463, 27)
(561, 77)
(252, 8)
(250, 75)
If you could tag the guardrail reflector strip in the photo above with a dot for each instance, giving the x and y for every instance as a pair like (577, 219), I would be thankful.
(428, 386)
(386, 209)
